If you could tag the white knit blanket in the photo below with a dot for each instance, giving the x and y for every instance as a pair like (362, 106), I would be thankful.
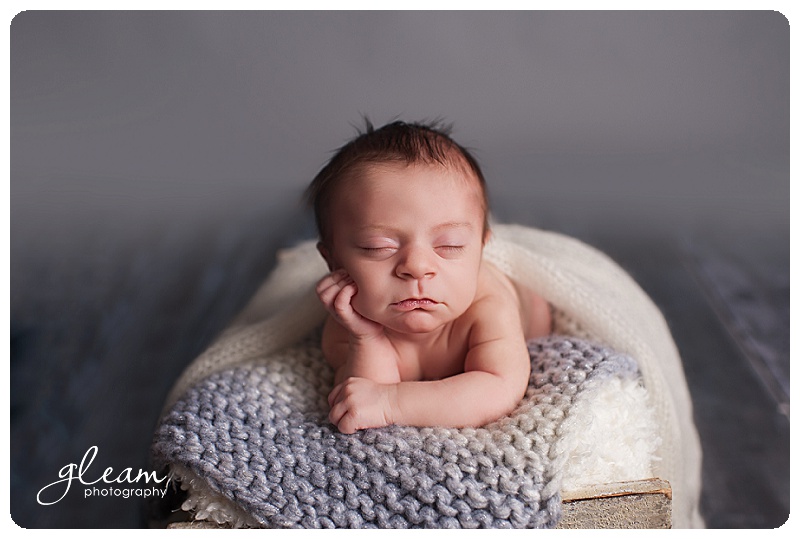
(593, 297)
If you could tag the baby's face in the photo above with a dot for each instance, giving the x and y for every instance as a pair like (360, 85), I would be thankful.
(411, 237)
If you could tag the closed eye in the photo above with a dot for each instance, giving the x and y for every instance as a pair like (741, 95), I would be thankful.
(450, 249)
(378, 250)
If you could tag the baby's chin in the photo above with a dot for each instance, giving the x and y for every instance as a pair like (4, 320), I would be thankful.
(416, 322)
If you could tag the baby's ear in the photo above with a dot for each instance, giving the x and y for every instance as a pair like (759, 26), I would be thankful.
(326, 254)
(487, 236)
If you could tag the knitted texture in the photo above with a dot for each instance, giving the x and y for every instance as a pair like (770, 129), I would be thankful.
(593, 298)
(258, 434)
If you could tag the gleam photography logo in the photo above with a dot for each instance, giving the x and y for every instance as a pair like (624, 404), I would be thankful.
(103, 485)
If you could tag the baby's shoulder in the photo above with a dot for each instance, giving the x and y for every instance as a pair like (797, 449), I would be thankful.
(496, 304)
(495, 289)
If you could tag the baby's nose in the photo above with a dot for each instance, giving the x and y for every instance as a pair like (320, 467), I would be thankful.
(417, 264)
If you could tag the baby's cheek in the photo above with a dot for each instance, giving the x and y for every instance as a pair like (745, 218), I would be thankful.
(362, 304)
(358, 302)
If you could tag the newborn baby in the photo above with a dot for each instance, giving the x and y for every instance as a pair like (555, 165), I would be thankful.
(421, 330)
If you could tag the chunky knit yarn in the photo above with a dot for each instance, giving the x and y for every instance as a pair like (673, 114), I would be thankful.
(258, 435)
(593, 298)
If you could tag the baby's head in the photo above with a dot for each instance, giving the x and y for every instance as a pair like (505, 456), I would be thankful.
(397, 144)
(403, 211)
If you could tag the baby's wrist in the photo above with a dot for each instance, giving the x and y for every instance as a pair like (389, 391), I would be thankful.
(361, 340)
(368, 346)
(374, 358)
(393, 413)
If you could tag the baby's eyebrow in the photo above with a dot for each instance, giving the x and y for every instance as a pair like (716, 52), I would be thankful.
(438, 228)
(377, 229)
(451, 225)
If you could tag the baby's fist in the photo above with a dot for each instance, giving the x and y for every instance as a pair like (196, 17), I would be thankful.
(359, 403)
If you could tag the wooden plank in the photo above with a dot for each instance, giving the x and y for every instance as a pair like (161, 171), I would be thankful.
(196, 525)
(633, 505)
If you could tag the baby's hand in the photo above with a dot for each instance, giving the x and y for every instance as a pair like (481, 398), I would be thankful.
(336, 290)
(359, 403)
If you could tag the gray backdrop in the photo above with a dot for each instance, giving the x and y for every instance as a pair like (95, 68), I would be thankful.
(143, 144)
(676, 119)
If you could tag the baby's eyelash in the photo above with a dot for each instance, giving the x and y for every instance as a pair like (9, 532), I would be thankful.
(453, 249)
(376, 249)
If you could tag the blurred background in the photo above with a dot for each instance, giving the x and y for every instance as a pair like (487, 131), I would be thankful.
(158, 161)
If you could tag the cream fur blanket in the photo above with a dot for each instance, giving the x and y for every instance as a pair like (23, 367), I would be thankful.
(594, 298)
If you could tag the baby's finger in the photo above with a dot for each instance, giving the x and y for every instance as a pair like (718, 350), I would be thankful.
(334, 394)
(341, 304)
(338, 410)
(347, 424)
(328, 295)
(331, 280)
(328, 289)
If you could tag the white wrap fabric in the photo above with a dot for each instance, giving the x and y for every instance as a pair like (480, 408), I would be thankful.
(593, 298)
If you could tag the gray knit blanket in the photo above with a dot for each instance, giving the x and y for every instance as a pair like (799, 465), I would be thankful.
(258, 435)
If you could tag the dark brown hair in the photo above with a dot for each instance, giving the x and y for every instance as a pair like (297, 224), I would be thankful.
(396, 142)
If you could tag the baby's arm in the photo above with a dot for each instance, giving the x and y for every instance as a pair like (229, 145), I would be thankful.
(495, 377)
(352, 344)
(489, 389)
